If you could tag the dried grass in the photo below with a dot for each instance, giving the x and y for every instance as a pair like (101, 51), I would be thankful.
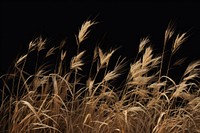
(59, 101)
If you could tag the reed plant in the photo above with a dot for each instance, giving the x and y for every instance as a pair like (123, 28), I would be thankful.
(64, 97)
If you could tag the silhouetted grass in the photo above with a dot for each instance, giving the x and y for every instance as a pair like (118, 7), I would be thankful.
(57, 99)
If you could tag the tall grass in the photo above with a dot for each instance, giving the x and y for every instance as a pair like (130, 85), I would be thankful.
(59, 98)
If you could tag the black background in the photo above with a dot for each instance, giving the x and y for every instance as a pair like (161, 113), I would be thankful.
(123, 23)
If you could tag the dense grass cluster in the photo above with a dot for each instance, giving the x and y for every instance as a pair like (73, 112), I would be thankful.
(60, 98)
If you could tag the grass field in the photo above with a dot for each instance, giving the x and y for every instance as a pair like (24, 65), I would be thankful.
(88, 94)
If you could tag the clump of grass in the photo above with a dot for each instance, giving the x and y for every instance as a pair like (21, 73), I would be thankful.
(55, 98)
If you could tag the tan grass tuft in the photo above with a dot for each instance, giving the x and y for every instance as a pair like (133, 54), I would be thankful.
(143, 43)
(178, 41)
(105, 57)
(77, 62)
(116, 72)
(50, 52)
(169, 32)
(84, 31)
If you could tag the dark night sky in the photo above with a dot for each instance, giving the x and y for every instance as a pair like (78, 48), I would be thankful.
(123, 23)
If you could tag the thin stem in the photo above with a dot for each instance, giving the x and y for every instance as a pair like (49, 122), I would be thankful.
(168, 67)
(21, 71)
(162, 58)
(76, 70)
(36, 65)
